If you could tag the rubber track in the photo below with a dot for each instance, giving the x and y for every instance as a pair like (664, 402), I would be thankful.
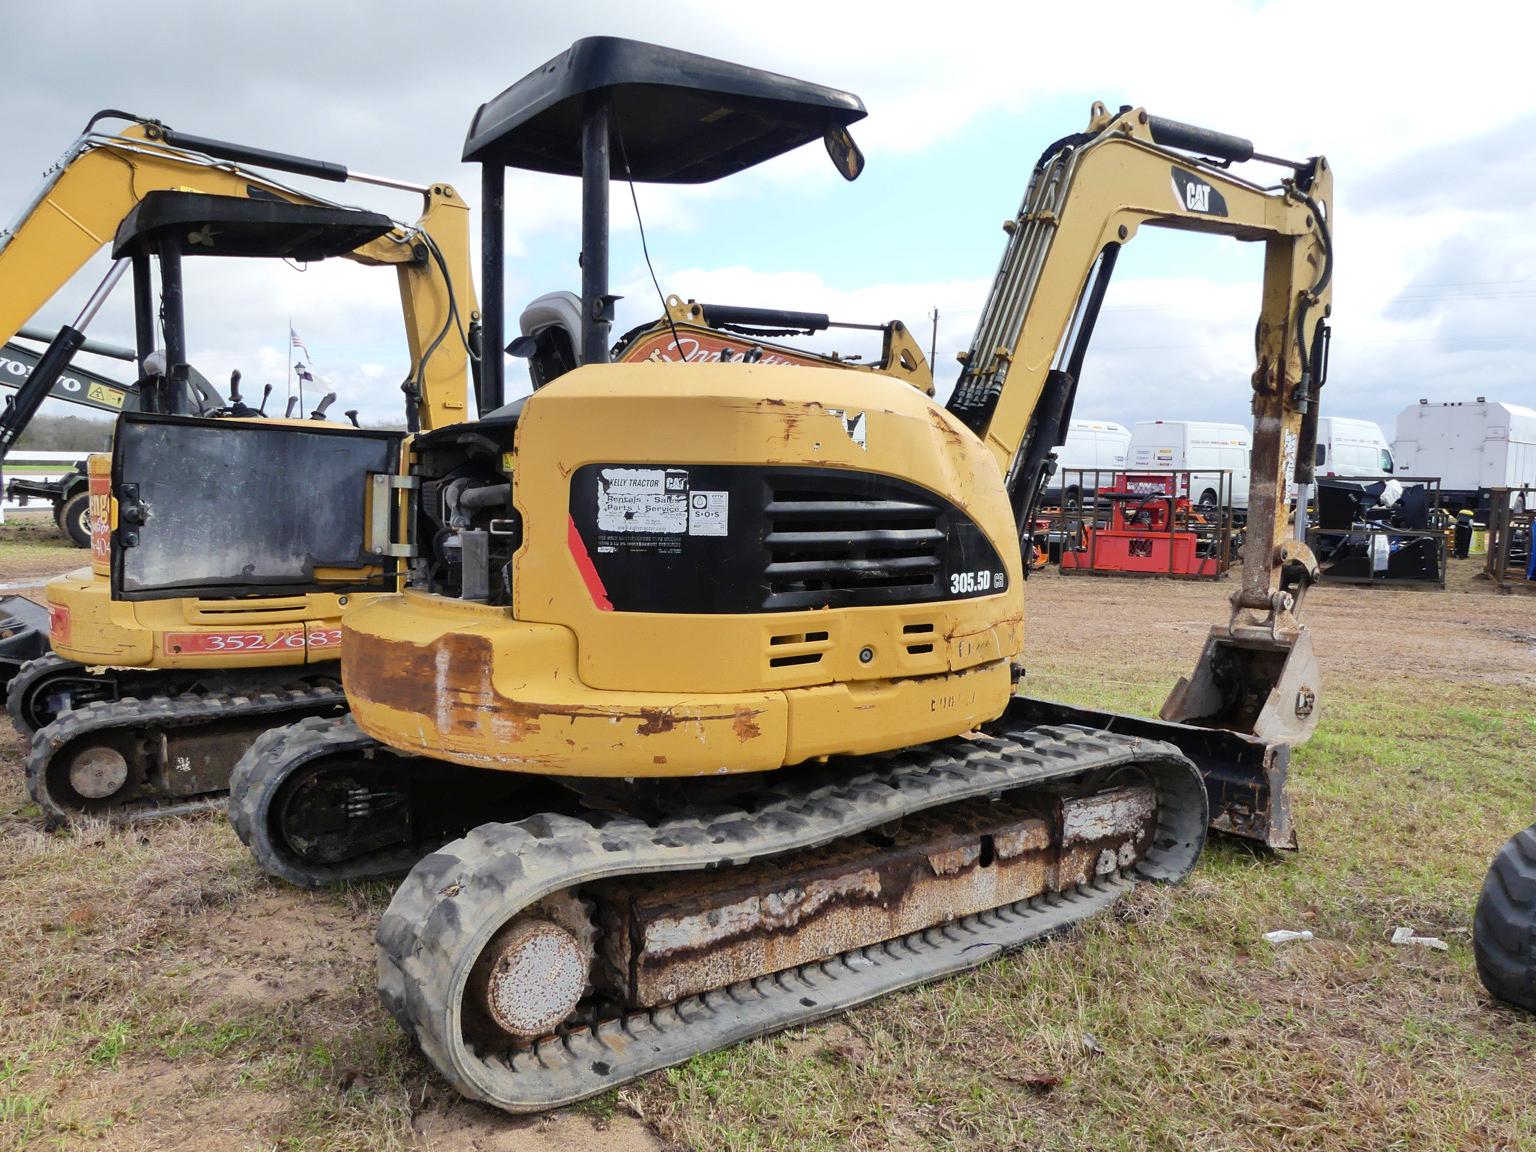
(161, 712)
(253, 786)
(455, 900)
(1504, 926)
(16, 689)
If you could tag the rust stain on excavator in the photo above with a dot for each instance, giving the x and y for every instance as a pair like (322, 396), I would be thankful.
(654, 721)
(948, 432)
(455, 669)
(664, 939)
(745, 725)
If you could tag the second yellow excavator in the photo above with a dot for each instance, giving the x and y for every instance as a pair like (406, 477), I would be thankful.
(165, 667)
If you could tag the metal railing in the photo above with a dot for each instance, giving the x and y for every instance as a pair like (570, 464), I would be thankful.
(1141, 521)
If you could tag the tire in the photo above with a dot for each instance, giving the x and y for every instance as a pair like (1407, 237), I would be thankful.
(74, 517)
(1207, 502)
(1504, 926)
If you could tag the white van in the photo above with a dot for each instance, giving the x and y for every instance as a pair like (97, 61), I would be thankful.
(1351, 448)
(1195, 446)
(1100, 445)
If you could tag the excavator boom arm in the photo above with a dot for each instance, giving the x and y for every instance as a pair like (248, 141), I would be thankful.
(88, 192)
(1088, 197)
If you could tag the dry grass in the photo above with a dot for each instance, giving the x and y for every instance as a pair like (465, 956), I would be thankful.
(161, 994)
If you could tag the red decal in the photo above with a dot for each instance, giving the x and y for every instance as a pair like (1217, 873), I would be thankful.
(589, 575)
(58, 623)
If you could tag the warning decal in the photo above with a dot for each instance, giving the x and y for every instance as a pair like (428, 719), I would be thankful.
(642, 500)
(708, 513)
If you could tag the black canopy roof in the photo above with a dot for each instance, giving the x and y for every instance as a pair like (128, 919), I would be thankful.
(678, 118)
(205, 225)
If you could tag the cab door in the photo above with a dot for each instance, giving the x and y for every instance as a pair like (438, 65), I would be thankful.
(234, 508)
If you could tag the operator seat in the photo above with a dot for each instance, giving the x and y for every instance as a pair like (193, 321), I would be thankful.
(551, 327)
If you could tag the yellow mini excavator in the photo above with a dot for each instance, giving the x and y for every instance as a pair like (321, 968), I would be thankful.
(744, 635)
(179, 644)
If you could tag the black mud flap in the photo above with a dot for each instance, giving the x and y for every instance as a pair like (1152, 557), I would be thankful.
(232, 508)
(1245, 777)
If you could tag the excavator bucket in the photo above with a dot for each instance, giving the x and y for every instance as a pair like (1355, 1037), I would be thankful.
(1258, 688)
(1261, 687)
(23, 636)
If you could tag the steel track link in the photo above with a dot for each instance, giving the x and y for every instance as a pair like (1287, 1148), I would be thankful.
(456, 899)
(267, 765)
(157, 713)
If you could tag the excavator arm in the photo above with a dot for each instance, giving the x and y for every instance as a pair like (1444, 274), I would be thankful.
(1089, 195)
(98, 181)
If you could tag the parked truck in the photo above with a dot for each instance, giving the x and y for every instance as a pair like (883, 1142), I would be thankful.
(1352, 448)
(1471, 445)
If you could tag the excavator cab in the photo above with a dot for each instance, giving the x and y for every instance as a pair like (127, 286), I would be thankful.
(173, 474)
(614, 109)
(168, 226)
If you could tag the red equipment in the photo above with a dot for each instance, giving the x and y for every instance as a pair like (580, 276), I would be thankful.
(1148, 531)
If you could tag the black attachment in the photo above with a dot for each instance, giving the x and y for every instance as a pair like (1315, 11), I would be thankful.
(259, 157)
(293, 402)
(266, 391)
(234, 386)
(325, 402)
(351, 414)
(1188, 138)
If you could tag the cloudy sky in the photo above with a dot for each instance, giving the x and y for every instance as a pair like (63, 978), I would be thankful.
(1425, 112)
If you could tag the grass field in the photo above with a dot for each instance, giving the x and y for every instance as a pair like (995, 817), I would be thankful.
(162, 994)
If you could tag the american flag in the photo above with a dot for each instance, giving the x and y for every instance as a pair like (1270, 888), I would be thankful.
(294, 341)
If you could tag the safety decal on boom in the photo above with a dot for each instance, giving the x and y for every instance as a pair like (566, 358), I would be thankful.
(1195, 195)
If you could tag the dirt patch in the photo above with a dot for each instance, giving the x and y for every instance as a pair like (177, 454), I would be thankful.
(1447, 636)
(466, 1127)
(33, 549)
(154, 1104)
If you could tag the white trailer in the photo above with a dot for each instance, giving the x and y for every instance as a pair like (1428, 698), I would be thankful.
(1471, 445)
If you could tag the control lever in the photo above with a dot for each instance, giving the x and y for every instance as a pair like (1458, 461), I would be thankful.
(325, 402)
(293, 402)
(234, 388)
(265, 393)
(351, 415)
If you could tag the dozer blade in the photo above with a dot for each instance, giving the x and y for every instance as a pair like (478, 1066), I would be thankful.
(23, 636)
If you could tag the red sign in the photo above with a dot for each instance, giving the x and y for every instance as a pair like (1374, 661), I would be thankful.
(58, 624)
(275, 640)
